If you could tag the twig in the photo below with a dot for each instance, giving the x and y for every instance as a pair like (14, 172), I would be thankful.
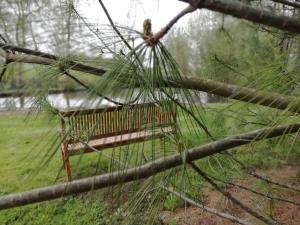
(4, 69)
(254, 191)
(113, 25)
(6, 61)
(288, 3)
(251, 172)
(75, 65)
(85, 86)
(210, 210)
(254, 174)
(243, 11)
(233, 199)
(157, 36)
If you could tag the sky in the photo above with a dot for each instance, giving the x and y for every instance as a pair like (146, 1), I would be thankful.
(133, 12)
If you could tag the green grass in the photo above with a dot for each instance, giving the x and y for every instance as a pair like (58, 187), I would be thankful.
(24, 143)
(28, 160)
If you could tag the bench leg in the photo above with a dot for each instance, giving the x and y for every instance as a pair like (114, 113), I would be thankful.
(66, 163)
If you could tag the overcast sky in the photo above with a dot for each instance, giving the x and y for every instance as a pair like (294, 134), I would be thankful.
(133, 12)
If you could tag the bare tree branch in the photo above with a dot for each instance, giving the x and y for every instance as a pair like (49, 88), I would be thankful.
(233, 199)
(255, 192)
(113, 25)
(144, 171)
(264, 178)
(75, 65)
(288, 3)
(156, 37)
(252, 172)
(210, 210)
(243, 11)
(53, 62)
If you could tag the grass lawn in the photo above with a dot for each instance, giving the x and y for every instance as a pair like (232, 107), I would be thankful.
(30, 158)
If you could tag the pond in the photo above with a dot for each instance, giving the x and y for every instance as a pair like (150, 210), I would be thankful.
(66, 101)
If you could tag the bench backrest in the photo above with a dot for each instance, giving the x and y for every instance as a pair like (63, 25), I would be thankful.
(106, 122)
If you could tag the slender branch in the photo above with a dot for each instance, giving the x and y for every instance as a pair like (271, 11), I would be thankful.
(144, 171)
(113, 25)
(6, 61)
(4, 69)
(75, 65)
(156, 37)
(288, 3)
(252, 172)
(87, 87)
(47, 61)
(273, 182)
(210, 210)
(256, 192)
(231, 198)
(243, 11)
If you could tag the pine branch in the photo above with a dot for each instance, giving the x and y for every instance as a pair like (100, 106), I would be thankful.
(144, 171)
(243, 11)
(273, 100)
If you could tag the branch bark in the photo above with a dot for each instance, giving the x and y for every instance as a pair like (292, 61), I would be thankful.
(47, 59)
(288, 3)
(264, 98)
(144, 171)
(242, 11)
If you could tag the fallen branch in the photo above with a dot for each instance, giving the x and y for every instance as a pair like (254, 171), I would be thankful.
(264, 178)
(144, 171)
(252, 172)
(231, 198)
(255, 192)
(210, 210)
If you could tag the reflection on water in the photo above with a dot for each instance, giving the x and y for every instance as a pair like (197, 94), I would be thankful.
(66, 101)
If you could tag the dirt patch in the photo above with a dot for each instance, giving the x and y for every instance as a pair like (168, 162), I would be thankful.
(286, 213)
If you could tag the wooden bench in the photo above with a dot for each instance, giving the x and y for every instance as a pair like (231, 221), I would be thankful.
(86, 130)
